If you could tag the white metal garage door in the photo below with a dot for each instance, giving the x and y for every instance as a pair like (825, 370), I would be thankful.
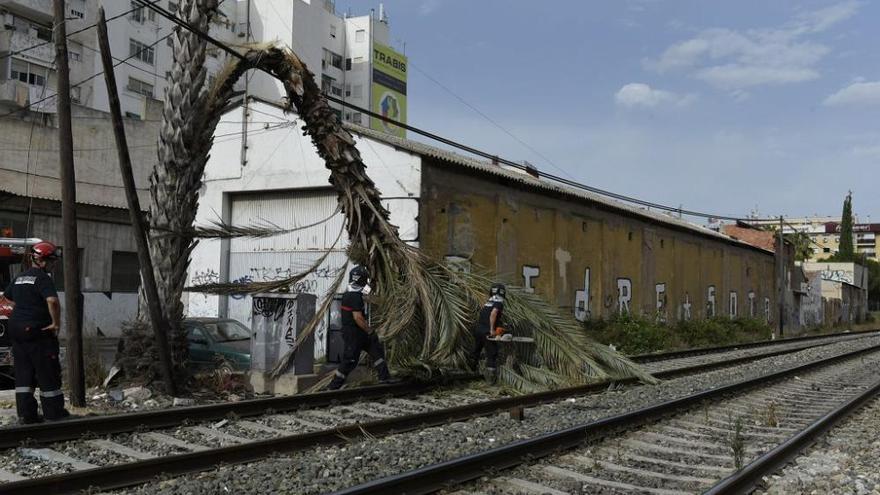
(282, 256)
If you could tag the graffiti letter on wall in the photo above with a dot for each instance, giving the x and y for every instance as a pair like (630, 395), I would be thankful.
(582, 299)
(624, 294)
(752, 304)
(529, 272)
(733, 304)
(767, 308)
(660, 292)
(686, 306)
(710, 302)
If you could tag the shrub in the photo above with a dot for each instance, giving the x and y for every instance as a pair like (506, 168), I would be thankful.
(639, 335)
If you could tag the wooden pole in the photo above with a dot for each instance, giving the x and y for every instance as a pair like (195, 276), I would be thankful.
(73, 297)
(157, 320)
(782, 288)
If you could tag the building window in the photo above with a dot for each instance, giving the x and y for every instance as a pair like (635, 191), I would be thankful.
(332, 59)
(332, 30)
(142, 52)
(826, 250)
(167, 75)
(360, 35)
(336, 90)
(140, 87)
(44, 34)
(124, 272)
(326, 83)
(75, 94)
(356, 117)
(348, 64)
(23, 72)
(140, 13)
(133, 115)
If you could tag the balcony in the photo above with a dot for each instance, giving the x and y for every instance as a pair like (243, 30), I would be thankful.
(38, 10)
(13, 41)
(14, 93)
(19, 94)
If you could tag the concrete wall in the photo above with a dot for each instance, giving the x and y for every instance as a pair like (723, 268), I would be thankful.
(282, 162)
(587, 258)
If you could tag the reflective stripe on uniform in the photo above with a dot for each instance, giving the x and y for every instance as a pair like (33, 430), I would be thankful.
(24, 390)
(380, 361)
(340, 374)
(51, 393)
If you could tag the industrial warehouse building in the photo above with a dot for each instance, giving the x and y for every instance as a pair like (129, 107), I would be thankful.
(589, 255)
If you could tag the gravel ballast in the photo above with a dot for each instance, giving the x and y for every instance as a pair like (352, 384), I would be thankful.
(845, 461)
(325, 469)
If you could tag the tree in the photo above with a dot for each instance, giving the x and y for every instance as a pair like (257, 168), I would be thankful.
(803, 249)
(425, 308)
(846, 250)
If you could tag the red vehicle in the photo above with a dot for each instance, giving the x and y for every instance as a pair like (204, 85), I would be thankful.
(12, 261)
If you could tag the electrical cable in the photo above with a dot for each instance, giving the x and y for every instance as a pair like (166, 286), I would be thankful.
(93, 76)
(469, 149)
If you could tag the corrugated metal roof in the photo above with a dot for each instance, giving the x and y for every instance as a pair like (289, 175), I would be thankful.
(529, 181)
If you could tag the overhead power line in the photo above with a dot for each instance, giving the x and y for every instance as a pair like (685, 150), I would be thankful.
(495, 158)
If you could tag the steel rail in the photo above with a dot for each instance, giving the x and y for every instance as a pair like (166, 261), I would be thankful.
(446, 474)
(744, 480)
(100, 425)
(119, 423)
(122, 475)
(698, 351)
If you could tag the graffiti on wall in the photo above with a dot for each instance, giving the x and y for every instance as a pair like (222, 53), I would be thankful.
(686, 307)
(838, 276)
(582, 299)
(660, 298)
(624, 295)
(752, 304)
(710, 301)
(733, 306)
(528, 273)
(203, 277)
(767, 308)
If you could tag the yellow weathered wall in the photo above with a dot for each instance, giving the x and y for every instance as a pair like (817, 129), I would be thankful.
(547, 242)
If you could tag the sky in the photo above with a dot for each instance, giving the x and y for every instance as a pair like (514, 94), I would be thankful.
(730, 108)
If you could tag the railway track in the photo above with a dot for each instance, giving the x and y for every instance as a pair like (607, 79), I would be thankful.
(201, 437)
(718, 441)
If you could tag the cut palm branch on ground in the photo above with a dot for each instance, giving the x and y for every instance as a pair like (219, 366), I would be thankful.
(427, 308)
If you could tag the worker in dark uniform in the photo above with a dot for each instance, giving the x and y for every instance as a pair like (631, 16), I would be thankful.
(487, 324)
(33, 329)
(356, 332)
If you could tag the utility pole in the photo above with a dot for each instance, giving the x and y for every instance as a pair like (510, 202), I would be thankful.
(157, 320)
(780, 260)
(73, 297)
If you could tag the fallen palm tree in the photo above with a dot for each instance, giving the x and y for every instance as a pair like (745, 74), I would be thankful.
(426, 309)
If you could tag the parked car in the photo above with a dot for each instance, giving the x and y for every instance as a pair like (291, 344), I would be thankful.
(218, 342)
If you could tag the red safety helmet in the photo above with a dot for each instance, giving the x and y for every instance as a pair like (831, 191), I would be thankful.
(45, 251)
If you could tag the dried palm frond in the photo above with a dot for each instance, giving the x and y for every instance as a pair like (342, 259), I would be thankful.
(425, 309)
(235, 288)
(219, 229)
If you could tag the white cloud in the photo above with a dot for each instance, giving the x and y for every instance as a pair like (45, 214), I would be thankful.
(859, 93)
(641, 95)
(867, 151)
(428, 7)
(738, 59)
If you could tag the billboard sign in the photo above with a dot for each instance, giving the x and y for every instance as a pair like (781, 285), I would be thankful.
(388, 89)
